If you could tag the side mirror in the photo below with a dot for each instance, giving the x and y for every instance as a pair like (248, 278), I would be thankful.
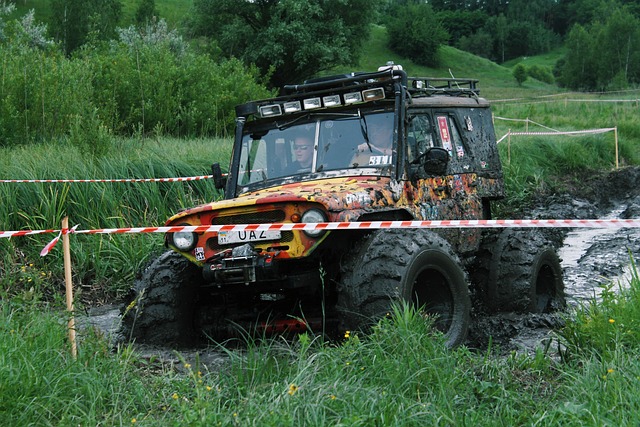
(435, 161)
(218, 180)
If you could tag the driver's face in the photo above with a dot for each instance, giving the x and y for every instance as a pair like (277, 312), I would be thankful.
(303, 151)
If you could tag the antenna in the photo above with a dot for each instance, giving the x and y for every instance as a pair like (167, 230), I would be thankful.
(454, 79)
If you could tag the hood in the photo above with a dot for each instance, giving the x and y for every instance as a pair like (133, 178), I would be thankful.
(336, 194)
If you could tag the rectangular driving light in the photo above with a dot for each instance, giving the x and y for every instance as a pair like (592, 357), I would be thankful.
(331, 100)
(270, 110)
(373, 94)
(292, 107)
(352, 98)
(311, 103)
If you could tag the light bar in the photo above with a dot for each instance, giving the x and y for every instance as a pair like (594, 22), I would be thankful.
(292, 107)
(331, 100)
(270, 110)
(311, 103)
(373, 94)
(352, 98)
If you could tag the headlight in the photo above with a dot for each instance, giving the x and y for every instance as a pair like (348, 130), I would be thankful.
(184, 240)
(313, 215)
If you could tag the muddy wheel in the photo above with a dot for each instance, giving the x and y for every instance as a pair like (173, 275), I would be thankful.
(162, 308)
(524, 273)
(416, 266)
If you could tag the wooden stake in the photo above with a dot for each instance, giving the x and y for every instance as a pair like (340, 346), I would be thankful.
(615, 135)
(69, 286)
(509, 146)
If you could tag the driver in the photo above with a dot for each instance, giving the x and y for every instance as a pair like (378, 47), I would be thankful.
(303, 152)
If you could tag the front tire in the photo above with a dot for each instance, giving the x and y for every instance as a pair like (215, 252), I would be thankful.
(163, 305)
(416, 266)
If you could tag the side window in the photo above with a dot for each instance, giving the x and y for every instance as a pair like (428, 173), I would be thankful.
(450, 136)
(420, 136)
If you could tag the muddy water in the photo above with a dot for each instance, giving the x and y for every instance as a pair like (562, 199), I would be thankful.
(595, 257)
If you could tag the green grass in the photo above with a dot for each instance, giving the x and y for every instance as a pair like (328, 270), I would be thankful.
(400, 374)
(545, 60)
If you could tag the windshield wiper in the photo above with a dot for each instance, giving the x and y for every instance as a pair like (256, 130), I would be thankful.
(290, 123)
(365, 130)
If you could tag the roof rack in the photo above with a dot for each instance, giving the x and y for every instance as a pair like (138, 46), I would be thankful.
(428, 86)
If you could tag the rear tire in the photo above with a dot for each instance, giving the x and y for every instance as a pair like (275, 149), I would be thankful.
(416, 266)
(523, 273)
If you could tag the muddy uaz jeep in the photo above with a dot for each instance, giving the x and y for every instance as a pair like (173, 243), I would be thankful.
(361, 147)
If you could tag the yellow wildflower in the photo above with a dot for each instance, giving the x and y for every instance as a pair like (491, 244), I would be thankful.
(347, 334)
(612, 321)
(292, 389)
(610, 371)
(175, 396)
(133, 421)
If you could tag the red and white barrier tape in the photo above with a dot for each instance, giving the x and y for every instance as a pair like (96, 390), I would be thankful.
(574, 132)
(188, 178)
(366, 225)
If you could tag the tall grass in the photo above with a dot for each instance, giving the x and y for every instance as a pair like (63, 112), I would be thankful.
(400, 374)
(42, 385)
(108, 262)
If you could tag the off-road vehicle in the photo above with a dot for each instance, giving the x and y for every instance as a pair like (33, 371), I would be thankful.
(376, 146)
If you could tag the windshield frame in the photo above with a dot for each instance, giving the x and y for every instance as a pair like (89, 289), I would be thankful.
(342, 128)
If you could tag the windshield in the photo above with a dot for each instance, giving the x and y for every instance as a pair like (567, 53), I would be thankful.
(317, 144)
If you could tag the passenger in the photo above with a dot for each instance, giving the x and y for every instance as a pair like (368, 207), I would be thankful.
(379, 149)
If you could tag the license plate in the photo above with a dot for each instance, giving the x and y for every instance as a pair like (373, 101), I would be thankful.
(226, 237)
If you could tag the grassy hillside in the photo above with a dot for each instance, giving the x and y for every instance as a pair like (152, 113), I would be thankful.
(496, 81)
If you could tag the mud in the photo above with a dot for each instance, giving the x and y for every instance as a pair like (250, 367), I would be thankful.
(590, 258)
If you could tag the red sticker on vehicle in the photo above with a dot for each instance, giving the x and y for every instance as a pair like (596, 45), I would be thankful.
(445, 135)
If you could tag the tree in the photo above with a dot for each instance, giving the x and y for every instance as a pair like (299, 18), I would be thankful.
(417, 33)
(603, 54)
(146, 12)
(289, 39)
(520, 74)
(73, 21)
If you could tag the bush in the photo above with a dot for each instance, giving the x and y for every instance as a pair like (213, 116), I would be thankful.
(520, 73)
(147, 81)
(541, 73)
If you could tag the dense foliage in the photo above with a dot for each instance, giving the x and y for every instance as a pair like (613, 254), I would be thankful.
(417, 33)
(290, 40)
(604, 54)
(148, 80)
(74, 22)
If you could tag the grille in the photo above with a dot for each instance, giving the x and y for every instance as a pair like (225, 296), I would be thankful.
(250, 218)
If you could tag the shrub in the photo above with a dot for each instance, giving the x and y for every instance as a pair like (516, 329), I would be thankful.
(541, 73)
